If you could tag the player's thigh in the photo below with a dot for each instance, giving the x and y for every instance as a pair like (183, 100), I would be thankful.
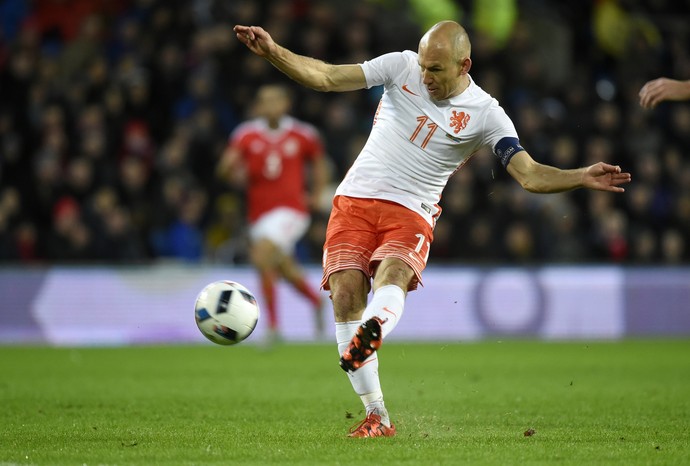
(406, 240)
(350, 239)
(265, 253)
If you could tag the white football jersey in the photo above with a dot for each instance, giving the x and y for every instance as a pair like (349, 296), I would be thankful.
(417, 143)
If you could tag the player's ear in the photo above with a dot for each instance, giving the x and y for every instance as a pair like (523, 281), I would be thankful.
(465, 65)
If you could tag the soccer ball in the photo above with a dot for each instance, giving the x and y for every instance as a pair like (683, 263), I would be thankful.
(226, 312)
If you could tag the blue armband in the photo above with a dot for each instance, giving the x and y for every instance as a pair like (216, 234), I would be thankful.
(506, 148)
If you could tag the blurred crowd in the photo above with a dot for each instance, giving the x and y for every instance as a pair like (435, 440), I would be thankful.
(113, 115)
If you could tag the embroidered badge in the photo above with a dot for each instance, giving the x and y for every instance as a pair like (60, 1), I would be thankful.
(459, 121)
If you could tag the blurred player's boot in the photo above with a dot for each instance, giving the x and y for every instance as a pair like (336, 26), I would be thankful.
(372, 426)
(272, 339)
(367, 339)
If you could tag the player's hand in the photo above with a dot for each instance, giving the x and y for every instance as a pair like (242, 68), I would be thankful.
(256, 39)
(604, 177)
(656, 91)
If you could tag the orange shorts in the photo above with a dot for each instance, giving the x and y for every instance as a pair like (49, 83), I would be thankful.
(363, 232)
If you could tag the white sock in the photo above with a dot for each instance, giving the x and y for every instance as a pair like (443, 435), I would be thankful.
(373, 403)
(387, 304)
(365, 380)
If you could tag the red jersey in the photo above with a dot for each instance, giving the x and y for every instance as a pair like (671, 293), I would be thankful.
(275, 161)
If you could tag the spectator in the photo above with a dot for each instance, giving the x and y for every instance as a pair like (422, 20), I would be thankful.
(103, 81)
(71, 240)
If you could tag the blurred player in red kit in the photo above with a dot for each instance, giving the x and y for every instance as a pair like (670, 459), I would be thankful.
(270, 156)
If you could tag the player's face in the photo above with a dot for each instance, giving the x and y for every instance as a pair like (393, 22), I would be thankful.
(440, 73)
(272, 103)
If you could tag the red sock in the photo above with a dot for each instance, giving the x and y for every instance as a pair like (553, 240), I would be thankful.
(269, 291)
(308, 292)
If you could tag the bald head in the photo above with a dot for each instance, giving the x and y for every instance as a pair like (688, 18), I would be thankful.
(448, 35)
(444, 58)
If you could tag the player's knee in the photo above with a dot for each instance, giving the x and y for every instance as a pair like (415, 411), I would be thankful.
(349, 291)
(347, 306)
(393, 272)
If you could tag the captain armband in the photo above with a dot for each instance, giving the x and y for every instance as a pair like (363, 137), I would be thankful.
(506, 148)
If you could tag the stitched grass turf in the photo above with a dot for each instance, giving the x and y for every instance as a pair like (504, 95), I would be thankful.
(587, 403)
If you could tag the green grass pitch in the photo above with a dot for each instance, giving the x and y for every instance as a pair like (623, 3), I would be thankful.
(586, 403)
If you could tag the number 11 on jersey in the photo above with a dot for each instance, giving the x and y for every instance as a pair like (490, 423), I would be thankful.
(432, 128)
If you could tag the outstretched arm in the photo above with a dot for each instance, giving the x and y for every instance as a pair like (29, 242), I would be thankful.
(230, 167)
(309, 72)
(538, 178)
(658, 90)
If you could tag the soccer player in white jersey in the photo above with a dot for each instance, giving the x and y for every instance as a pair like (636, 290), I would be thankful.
(431, 119)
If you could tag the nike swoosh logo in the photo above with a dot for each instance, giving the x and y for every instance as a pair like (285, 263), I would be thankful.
(404, 88)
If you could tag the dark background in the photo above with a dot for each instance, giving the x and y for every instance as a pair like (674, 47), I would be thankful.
(113, 115)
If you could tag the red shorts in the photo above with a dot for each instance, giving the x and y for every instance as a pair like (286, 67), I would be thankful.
(363, 232)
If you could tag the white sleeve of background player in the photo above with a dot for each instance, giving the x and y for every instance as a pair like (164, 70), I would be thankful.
(384, 68)
(239, 132)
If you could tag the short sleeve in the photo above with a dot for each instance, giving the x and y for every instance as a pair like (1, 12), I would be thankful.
(236, 137)
(497, 126)
(383, 69)
(315, 145)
